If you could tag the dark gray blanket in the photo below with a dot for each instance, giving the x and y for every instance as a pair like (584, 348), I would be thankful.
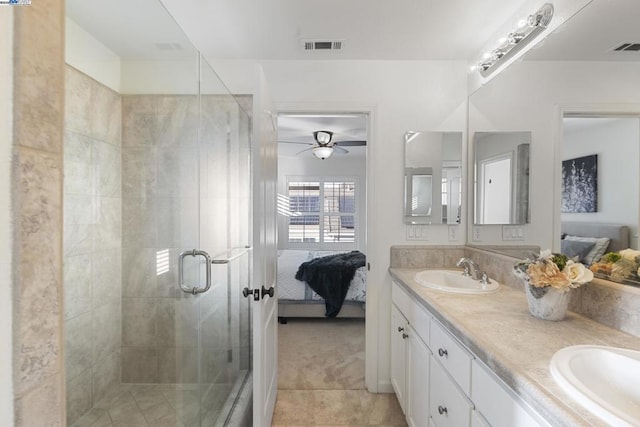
(330, 277)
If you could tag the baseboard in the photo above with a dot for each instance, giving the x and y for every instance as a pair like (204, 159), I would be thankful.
(385, 387)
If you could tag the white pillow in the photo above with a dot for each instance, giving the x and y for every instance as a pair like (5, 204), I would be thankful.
(599, 248)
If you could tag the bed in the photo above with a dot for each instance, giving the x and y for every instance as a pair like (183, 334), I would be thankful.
(617, 235)
(297, 299)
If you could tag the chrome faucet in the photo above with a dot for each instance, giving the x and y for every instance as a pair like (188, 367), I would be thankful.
(471, 269)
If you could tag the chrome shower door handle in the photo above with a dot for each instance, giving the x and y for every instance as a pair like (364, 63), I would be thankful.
(195, 289)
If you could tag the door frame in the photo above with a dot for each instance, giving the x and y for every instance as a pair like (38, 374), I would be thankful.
(373, 286)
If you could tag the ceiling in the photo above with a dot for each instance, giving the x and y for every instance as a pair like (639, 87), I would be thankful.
(592, 34)
(300, 128)
(273, 30)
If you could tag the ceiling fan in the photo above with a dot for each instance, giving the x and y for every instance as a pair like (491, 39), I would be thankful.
(325, 146)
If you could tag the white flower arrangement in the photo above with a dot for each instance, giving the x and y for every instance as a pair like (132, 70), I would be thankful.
(554, 270)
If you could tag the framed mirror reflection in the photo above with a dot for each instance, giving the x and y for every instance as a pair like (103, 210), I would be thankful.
(432, 177)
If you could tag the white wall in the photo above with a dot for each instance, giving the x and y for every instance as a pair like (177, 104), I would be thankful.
(617, 144)
(6, 242)
(85, 53)
(531, 96)
(401, 96)
(335, 166)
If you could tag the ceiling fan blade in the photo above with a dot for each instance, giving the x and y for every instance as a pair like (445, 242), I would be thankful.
(296, 142)
(350, 143)
(305, 150)
(339, 150)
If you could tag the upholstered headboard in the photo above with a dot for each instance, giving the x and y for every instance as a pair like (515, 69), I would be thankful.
(618, 233)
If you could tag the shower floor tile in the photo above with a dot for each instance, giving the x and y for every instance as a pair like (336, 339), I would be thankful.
(157, 405)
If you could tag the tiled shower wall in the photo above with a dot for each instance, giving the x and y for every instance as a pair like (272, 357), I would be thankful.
(92, 241)
(180, 196)
(36, 211)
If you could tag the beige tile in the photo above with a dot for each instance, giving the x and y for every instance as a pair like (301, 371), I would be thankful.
(139, 322)
(108, 223)
(139, 172)
(78, 343)
(105, 331)
(139, 272)
(106, 114)
(106, 377)
(107, 169)
(139, 364)
(139, 221)
(77, 289)
(47, 397)
(39, 271)
(78, 396)
(178, 365)
(311, 407)
(94, 418)
(77, 101)
(78, 239)
(382, 409)
(106, 277)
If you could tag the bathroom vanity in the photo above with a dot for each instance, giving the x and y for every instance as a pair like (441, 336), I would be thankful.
(481, 359)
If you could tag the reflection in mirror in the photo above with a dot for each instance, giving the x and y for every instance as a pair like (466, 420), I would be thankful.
(615, 166)
(584, 72)
(433, 177)
(501, 171)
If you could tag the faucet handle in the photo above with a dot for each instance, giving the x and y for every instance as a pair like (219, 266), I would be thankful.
(484, 279)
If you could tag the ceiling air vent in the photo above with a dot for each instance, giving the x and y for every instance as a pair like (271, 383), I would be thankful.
(325, 45)
(628, 47)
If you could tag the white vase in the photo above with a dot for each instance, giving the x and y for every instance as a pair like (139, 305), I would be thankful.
(547, 303)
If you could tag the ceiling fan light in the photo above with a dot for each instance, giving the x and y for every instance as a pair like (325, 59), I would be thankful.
(322, 152)
(323, 136)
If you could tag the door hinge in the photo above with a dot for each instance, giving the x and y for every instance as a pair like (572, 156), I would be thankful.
(368, 266)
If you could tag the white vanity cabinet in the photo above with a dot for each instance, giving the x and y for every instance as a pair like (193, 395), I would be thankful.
(497, 403)
(399, 333)
(410, 356)
(439, 382)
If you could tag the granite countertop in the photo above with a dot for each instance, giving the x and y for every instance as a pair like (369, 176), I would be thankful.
(499, 330)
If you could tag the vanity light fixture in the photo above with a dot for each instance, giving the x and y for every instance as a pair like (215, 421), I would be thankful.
(526, 30)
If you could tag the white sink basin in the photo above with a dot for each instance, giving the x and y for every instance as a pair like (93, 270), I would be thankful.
(454, 281)
(605, 380)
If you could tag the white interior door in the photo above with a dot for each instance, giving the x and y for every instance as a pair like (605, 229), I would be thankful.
(496, 186)
(265, 306)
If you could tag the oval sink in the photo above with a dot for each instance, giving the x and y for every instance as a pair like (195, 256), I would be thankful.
(605, 380)
(454, 281)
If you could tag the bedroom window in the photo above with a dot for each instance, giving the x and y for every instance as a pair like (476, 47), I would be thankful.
(322, 211)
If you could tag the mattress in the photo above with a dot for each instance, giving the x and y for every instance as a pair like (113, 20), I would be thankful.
(288, 288)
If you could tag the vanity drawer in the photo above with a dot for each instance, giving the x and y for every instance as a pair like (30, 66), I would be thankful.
(417, 316)
(452, 355)
(497, 402)
(448, 406)
(400, 298)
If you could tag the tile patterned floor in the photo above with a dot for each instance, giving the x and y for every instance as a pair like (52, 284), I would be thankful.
(321, 377)
(321, 383)
(157, 405)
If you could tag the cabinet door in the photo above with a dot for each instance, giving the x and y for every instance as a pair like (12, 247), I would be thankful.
(399, 330)
(417, 380)
(495, 401)
(447, 404)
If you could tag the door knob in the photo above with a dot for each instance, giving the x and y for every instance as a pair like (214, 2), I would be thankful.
(255, 292)
(270, 292)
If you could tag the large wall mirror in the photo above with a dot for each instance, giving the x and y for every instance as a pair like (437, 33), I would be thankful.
(501, 173)
(433, 177)
(578, 94)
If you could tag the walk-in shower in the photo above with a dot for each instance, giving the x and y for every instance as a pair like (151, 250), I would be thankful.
(156, 176)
